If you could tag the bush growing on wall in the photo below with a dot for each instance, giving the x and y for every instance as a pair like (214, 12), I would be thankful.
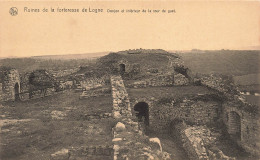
(40, 80)
(182, 70)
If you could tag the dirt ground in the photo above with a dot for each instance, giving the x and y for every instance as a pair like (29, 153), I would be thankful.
(35, 129)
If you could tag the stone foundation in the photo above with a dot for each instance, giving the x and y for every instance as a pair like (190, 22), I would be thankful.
(37, 94)
(199, 142)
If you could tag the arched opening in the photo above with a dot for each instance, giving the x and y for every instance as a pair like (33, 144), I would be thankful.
(142, 112)
(16, 91)
(122, 68)
(234, 125)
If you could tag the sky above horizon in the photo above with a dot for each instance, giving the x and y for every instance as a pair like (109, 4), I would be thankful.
(195, 25)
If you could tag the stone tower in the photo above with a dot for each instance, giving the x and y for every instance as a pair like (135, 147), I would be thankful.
(9, 84)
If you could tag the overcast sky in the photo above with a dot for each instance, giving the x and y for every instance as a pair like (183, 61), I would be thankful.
(200, 25)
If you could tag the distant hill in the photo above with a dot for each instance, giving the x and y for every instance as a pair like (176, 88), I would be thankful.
(72, 56)
(29, 64)
(227, 62)
(53, 62)
(248, 79)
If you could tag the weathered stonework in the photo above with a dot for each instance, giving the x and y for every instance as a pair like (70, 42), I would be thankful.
(91, 152)
(1, 91)
(166, 79)
(157, 80)
(194, 112)
(37, 94)
(243, 126)
(199, 142)
(191, 111)
(215, 82)
(129, 141)
(93, 82)
(180, 80)
(10, 85)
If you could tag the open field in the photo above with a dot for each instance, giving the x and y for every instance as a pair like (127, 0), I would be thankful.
(227, 62)
(37, 128)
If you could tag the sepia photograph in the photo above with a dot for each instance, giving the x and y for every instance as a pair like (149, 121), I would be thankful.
(129, 80)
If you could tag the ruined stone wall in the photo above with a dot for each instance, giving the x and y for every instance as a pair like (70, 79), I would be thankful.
(241, 119)
(37, 94)
(199, 142)
(128, 67)
(192, 144)
(158, 80)
(215, 82)
(180, 80)
(129, 141)
(195, 112)
(66, 84)
(93, 82)
(61, 73)
(8, 85)
(1, 92)
(89, 152)
(248, 127)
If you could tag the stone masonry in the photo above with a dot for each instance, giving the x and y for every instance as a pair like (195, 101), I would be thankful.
(10, 85)
(129, 141)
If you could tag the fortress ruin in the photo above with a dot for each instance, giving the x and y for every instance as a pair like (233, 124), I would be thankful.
(154, 92)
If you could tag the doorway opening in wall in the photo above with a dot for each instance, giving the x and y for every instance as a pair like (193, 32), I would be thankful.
(142, 112)
(234, 125)
(16, 92)
(122, 68)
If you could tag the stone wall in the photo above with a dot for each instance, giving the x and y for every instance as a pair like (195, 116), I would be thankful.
(37, 94)
(216, 82)
(241, 118)
(199, 142)
(93, 82)
(245, 124)
(66, 84)
(129, 141)
(160, 79)
(180, 80)
(194, 112)
(163, 111)
(127, 66)
(157, 80)
(10, 79)
(1, 91)
(89, 152)
(61, 73)
(193, 144)
(84, 152)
